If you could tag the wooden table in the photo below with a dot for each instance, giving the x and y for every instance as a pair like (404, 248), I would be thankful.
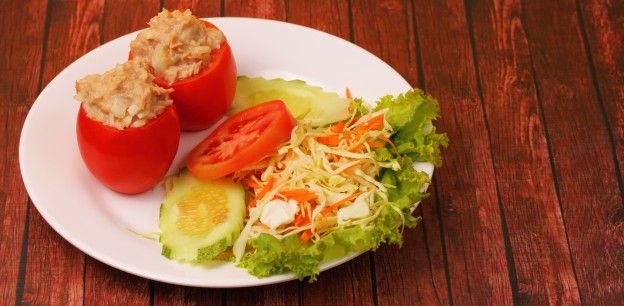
(528, 208)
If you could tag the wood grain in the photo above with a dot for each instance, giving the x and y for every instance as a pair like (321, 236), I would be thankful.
(105, 285)
(604, 26)
(268, 9)
(471, 220)
(198, 7)
(122, 17)
(416, 272)
(309, 13)
(20, 62)
(54, 268)
(541, 255)
(172, 295)
(578, 134)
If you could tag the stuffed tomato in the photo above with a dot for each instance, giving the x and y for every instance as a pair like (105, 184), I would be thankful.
(127, 128)
(192, 57)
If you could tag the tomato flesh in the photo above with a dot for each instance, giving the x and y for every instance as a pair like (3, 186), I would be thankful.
(202, 99)
(243, 139)
(131, 160)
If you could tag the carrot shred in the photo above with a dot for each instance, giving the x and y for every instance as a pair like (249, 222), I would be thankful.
(376, 144)
(305, 236)
(301, 220)
(341, 202)
(330, 140)
(263, 191)
(386, 139)
(375, 123)
(338, 127)
(299, 195)
(348, 93)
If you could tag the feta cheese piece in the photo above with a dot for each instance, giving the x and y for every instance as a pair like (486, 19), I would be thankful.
(425, 167)
(279, 212)
(359, 209)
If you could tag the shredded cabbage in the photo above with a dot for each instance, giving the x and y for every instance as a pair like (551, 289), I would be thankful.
(326, 169)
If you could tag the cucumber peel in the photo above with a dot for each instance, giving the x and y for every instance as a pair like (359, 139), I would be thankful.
(200, 219)
(305, 102)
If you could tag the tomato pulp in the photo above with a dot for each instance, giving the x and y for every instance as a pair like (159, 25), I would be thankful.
(243, 139)
(131, 160)
(204, 98)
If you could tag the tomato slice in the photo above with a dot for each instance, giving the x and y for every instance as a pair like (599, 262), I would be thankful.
(243, 139)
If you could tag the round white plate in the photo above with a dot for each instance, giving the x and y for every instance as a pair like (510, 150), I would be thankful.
(99, 221)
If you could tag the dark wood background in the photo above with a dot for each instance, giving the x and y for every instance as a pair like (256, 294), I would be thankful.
(528, 208)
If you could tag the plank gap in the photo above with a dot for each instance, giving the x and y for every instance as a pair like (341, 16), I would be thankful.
(603, 109)
(21, 275)
(538, 92)
(513, 275)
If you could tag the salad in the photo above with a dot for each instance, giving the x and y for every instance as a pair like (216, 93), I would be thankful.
(285, 185)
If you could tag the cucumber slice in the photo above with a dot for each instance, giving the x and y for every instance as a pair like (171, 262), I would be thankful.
(307, 103)
(200, 219)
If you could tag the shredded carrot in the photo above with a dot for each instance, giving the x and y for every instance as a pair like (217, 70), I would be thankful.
(331, 207)
(376, 144)
(338, 127)
(375, 123)
(251, 182)
(299, 195)
(301, 220)
(348, 93)
(386, 139)
(330, 140)
(262, 192)
(305, 236)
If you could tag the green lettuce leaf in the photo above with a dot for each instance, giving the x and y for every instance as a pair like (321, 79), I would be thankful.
(411, 115)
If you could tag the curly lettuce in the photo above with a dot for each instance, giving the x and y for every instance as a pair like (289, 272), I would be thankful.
(411, 115)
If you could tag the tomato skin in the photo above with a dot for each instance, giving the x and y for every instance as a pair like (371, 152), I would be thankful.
(131, 160)
(204, 98)
(275, 126)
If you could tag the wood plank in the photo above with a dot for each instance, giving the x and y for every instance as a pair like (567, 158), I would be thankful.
(471, 221)
(172, 295)
(125, 16)
(579, 137)
(416, 272)
(268, 9)
(54, 268)
(604, 28)
(306, 12)
(198, 7)
(104, 284)
(351, 283)
(167, 294)
(20, 61)
(521, 157)
(284, 294)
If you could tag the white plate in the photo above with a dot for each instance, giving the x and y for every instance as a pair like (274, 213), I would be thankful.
(97, 220)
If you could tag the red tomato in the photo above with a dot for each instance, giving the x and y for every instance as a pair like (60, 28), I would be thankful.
(241, 140)
(131, 160)
(204, 98)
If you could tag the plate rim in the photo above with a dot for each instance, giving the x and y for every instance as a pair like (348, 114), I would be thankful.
(77, 243)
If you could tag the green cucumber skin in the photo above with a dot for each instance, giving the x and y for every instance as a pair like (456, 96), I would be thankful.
(205, 249)
(305, 102)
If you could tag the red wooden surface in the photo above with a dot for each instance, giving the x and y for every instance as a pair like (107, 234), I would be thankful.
(528, 208)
